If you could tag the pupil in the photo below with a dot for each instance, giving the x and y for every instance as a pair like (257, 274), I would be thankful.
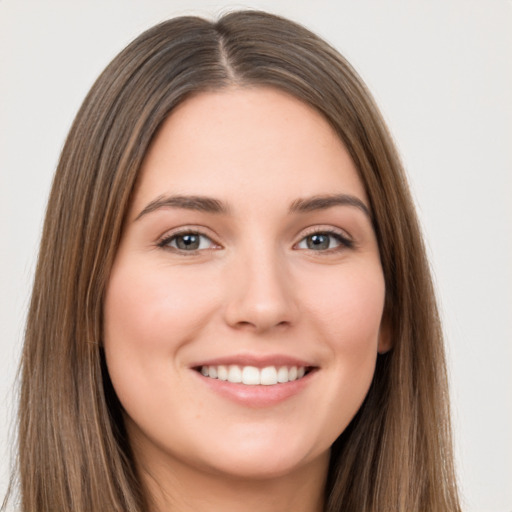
(188, 242)
(318, 242)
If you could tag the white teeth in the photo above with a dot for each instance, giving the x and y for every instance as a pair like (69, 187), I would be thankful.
(234, 374)
(282, 374)
(268, 376)
(222, 372)
(252, 376)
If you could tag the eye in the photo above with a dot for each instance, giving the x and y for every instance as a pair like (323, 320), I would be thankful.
(324, 241)
(187, 242)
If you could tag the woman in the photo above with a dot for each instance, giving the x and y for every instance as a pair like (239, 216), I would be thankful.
(232, 307)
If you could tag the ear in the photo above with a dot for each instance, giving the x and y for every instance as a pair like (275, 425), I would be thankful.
(385, 342)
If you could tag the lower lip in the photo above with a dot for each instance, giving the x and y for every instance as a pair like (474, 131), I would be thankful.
(257, 396)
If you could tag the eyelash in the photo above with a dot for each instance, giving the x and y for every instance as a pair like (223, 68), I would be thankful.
(167, 240)
(343, 241)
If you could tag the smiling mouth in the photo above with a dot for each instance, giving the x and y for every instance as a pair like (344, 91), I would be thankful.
(253, 376)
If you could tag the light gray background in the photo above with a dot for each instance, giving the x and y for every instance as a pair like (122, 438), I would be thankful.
(441, 72)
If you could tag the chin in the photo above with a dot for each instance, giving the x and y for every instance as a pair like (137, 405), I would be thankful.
(263, 457)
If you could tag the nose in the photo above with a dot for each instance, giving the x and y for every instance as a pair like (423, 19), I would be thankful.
(261, 294)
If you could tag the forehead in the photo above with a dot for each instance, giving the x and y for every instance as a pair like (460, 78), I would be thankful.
(247, 142)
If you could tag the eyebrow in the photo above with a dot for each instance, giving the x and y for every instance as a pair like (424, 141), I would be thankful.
(328, 201)
(197, 203)
(212, 205)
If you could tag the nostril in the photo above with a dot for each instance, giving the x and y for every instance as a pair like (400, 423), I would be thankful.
(260, 325)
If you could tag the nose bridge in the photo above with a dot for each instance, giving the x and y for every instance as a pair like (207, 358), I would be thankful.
(261, 294)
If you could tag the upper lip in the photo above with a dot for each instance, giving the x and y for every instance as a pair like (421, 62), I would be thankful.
(259, 361)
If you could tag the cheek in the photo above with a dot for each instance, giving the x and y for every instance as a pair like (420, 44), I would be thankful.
(351, 320)
(348, 316)
(348, 309)
(344, 310)
(145, 308)
(149, 315)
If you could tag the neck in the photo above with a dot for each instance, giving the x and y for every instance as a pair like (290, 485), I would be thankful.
(186, 489)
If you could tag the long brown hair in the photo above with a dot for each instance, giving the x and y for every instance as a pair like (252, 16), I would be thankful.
(73, 451)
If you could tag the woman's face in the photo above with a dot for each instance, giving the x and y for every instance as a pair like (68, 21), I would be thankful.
(248, 254)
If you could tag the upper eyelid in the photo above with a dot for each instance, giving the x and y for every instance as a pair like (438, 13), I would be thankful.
(164, 243)
(345, 240)
(173, 238)
(183, 230)
(325, 229)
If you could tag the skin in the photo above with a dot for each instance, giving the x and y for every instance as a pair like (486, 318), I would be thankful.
(253, 287)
